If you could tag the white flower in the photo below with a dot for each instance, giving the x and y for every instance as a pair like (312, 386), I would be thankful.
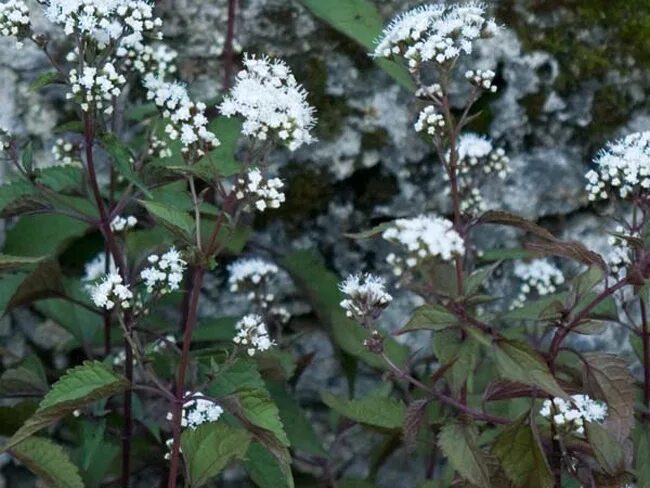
(159, 148)
(66, 153)
(366, 296)
(623, 167)
(482, 79)
(197, 411)
(165, 273)
(539, 275)
(434, 33)
(95, 88)
(429, 121)
(252, 334)
(271, 102)
(186, 119)
(262, 193)
(120, 224)
(571, 415)
(157, 60)
(111, 292)
(96, 269)
(423, 237)
(14, 20)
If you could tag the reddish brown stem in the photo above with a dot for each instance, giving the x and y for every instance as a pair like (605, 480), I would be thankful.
(645, 339)
(177, 410)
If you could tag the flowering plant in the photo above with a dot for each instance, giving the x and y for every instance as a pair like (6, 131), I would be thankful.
(158, 192)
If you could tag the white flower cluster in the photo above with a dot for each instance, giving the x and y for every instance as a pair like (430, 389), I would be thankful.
(144, 58)
(252, 334)
(423, 237)
(111, 291)
(250, 273)
(623, 167)
(482, 79)
(538, 275)
(572, 415)
(433, 91)
(271, 102)
(187, 120)
(265, 193)
(96, 268)
(159, 148)
(14, 20)
(120, 224)
(166, 272)
(94, 87)
(619, 256)
(429, 121)
(366, 297)
(105, 20)
(197, 411)
(66, 153)
(435, 33)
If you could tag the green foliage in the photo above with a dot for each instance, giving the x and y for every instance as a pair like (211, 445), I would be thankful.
(459, 443)
(265, 469)
(430, 317)
(176, 221)
(123, 161)
(42, 235)
(374, 410)
(48, 461)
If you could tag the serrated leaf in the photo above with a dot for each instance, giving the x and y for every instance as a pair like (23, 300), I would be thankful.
(516, 361)
(78, 387)
(374, 410)
(71, 126)
(320, 287)
(479, 277)
(606, 377)
(459, 443)
(27, 378)
(49, 462)
(359, 20)
(27, 157)
(265, 470)
(259, 409)
(430, 317)
(15, 193)
(11, 418)
(607, 451)
(42, 235)
(511, 220)
(210, 447)
(123, 161)
(60, 178)
(458, 354)
(44, 79)
(546, 308)
(45, 281)
(175, 220)
(414, 419)
(522, 458)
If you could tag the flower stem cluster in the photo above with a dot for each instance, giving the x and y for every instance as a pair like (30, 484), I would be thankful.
(540, 276)
(110, 292)
(94, 88)
(570, 416)
(14, 20)
(121, 224)
(366, 297)
(262, 193)
(165, 273)
(252, 334)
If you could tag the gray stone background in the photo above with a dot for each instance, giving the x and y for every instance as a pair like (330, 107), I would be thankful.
(572, 75)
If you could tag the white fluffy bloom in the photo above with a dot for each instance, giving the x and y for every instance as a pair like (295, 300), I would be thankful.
(165, 273)
(429, 121)
(105, 20)
(159, 148)
(187, 120)
(620, 254)
(261, 192)
(571, 415)
(248, 273)
(144, 58)
(435, 33)
(95, 88)
(252, 334)
(197, 411)
(425, 236)
(623, 167)
(482, 79)
(14, 20)
(96, 269)
(539, 275)
(110, 292)
(120, 224)
(366, 296)
(66, 153)
(271, 102)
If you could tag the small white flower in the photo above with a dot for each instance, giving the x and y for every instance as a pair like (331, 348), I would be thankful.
(14, 20)
(111, 292)
(539, 275)
(166, 272)
(120, 224)
(252, 334)
(571, 415)
(96, 269)
(263, 193)
(366, 296)
(197, 411)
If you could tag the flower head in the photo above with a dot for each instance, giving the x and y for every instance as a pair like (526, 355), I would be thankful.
(95, 88)
(120, 224)
(571, 415)
(14, 20)
(539, 275)
(261, 192)
(198, 410)
(111, 291)
(165, 273)
(252, 334)
(623, 167)
(366, 296)
(96, 269)
(271, 102)
(435, 33)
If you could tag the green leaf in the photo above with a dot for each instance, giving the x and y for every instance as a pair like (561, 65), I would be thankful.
(71, 126)
(210, 447)
(11, 418)
(374, 410)
(451, 348)
(214, 329)
(49, 462)
(12, 263)
(459, 443)
(516, 361)
(259, 409)
(479, 277)
(265, 470)
(359, 20)
(16, 194)
(522, 458)
(430, 317)
(607, 451)
(44, 79)
(42, 235)
(27, 378)
(173, 219)
(545, 308)
(123, 161)
(44, 281)
(320, 287)
(27, 157)
(242, 375)
(78, 387)
(221, 162)
(60, 178)
(299, 429)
